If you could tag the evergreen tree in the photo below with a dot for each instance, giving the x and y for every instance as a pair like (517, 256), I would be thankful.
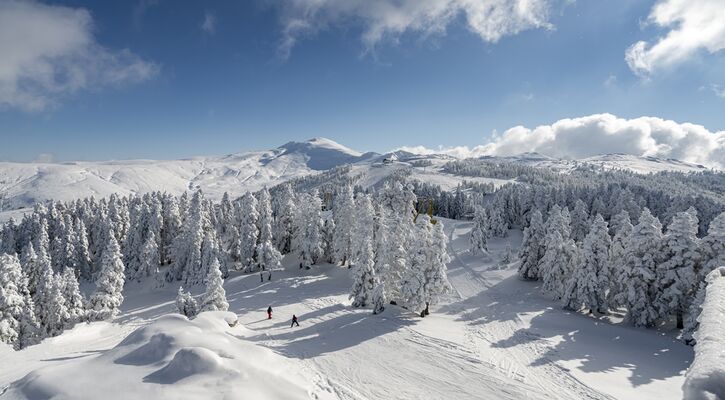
(186, 304)
(343, 219)
(643, 252)
(82, 253)
(284, 219)
(497, 225)
(479, 232)
(210, 251)
(215, 298)
(18, 324)
(187, 246)
(308, 238)
(363, 256)
(150, 258)
(73, 299)
(713, 247)
(107, 298)
(677, 271)
(579, 221)
(31, 266)
(328, 239)
(617, 257)
(588, 285)
(532, 247)
(248, 232)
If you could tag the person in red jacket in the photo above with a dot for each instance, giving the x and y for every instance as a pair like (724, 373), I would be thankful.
(269, 312)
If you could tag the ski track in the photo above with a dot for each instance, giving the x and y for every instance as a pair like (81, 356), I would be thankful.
(516, 362)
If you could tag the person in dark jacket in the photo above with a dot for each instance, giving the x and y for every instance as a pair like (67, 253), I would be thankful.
(269, 312)
(294, 321)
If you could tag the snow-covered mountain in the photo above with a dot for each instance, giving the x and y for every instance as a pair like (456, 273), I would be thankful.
(22, 184)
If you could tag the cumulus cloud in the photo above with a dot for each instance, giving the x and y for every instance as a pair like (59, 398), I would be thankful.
(388, 19)
(47, 52)
(602, 134)
(208, 26)
(694, 25)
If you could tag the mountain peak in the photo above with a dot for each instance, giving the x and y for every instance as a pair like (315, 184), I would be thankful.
(322, 153)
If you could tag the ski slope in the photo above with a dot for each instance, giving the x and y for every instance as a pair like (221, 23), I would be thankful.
(494, 337)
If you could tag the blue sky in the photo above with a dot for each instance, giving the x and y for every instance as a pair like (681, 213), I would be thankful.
(170, 79)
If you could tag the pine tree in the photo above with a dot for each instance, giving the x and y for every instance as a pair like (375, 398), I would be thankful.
(186, 304)
(284, 219)
(308, 237)
(210, 251)
(215, 298)
(268, 257)
(328, 239)
(579, 221)
(588, 285)
(617, 257)
(713, 247)
(31, 267)
(107, 298)
(554, 267)
(497, 225)
(363, 257)
(149, 258)
(73, 299)
(343, 219)
(18, 324)
(479, 232)
(436, 279)
(643, 252)
(532, 247)
(677, 271)
(187, 246)
(248, 232)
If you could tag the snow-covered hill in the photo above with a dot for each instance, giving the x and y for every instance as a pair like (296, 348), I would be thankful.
(22, 184)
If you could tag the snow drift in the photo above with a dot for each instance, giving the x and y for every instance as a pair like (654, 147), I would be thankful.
(706, 376)
(175, 358)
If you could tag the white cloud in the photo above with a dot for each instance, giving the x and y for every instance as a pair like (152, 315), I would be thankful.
(718, 90)
(602, 134)
(388, 19)
(695, 25)
(47, 52)
(209, 24)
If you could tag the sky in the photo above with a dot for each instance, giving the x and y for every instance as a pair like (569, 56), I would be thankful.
(162, 79)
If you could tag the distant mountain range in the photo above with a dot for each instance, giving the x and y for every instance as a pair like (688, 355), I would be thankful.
(22, 184)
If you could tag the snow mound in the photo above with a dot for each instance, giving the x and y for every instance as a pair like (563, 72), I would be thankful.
(706, 376)
(175, 358)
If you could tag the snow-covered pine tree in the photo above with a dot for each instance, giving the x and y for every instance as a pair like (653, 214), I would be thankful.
(588, 285)
(150, 259)
(643, 253)
(308, 238)
(379, 300)
(248, 232)
(215, 298)
(8, 243)
(31, 266)
(107, 298)
(436, 279)
(284, 218)
(363, 257)
(187, 246)
(395, 222)
(713, 247)
(268, 257)
(497, 225)
(52, 311)
(479, 232)
(617, 252)
(532, 248)
(186, 304)
(343, 212)
(579, 221)
(678, 267)
(73, 299)
(82, 253)
(210, 251)
(328, 238)
(171, 227)
(554, 268)
(18, 324)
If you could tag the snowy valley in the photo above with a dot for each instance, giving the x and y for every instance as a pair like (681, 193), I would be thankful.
(544, 278)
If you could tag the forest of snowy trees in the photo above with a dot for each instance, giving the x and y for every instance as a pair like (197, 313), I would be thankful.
(601, 241)
(393, 253)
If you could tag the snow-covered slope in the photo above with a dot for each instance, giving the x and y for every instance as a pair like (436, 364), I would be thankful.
(174, 358)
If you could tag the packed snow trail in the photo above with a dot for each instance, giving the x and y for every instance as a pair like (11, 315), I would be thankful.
(495, 337)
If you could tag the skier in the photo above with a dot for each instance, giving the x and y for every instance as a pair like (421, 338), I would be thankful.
(294, 321)
(261, 277)
(269, 312)
(269, 277)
